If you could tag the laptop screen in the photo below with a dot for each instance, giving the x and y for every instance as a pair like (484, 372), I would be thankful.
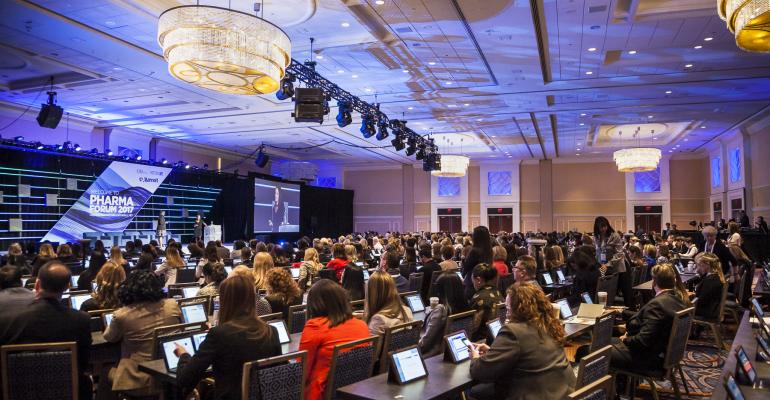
(280, 326)
(586, 298)
(560, 275)
(168, 351)
(194, 313)
(733, 391)
(564, 309)
(74, 280)
(77, 300)
(294, 273)
(108, 319)
(746, 366)
(459, 275)
(757, 307)
(189, 291)
(494, 327)
(198, 338)
(415, 303)
(408, 364)
(547, 279)
(229, 270)
(457, 343)
(763, 344)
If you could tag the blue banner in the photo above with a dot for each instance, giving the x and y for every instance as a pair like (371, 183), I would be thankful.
(110, 203)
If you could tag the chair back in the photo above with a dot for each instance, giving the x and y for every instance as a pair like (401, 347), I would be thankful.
(460, 322)
(609, 284)
(25, 366)
(504, 281)
(502, 312)
(271, 317)
(353, 282)
(601, 389)
(357, 305)
(163, 332)
(415, 281)
(677, 341)
(351, 362)
(593, 366)
(722, 303)
(275, 378)
(327, 273)
(297, 318)
(601, 333)
(398, 337)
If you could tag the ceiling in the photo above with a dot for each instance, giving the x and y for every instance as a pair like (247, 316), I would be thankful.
(493, 79)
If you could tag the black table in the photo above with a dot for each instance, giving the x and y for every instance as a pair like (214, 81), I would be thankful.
(743, 337)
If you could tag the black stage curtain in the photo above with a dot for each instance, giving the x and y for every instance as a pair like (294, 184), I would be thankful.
(234, 209)
(325, 212)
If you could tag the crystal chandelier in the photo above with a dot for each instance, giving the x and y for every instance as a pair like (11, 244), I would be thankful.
(637, 159)
(223, 50)
(749, 20)
(452, 166)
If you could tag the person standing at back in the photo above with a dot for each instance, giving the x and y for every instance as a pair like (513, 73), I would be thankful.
(46, 320)
(610, 255)
(481, 252)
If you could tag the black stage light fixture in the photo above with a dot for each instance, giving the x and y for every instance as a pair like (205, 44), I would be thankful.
(309, 105)
(18, 138)
(77, 147)
(412, 146)
(50, 114)
(382, 129)
(39, 146)
(343, 116)
(420, 152)
(287, 87)
(398, 142)
(368, 128)
(262, 158)
(108, 152)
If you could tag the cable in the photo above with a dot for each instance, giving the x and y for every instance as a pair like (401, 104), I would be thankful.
(34, 101)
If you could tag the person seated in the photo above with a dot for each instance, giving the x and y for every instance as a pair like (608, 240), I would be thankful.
(65, 255)
(146, 258)
(213, 275)
(282, 291)
(330, 323)
(239, 337)
(390, 261)
(44, 255)
(353, 280)
(262, 306)
(16, 258)
(173, 263)
(237, 247)
(144, 309)
(586, 275)
(116, 256)
(131, 250)
(309, 268)
(13, 296)
(526, 359)
(45, 320)
(108, 281)
(263, 262)
(222, 251)
(339, 261)
(429, 267)
(447, 254)
(499, 255)
(708, 289)
(485, 299)
(409, 266)
(643, 346)
(94, 266)
(210, 256)
(384, 307)
(525, 270)
(451, 300)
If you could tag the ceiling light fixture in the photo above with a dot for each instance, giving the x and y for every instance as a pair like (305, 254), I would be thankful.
(698, 47)
(223, 50)
(344, 118)
(589, 73)
(748, 20)
(708, 39)
(431, 63)
(632, 52)
(592, 49)
(379, 2)
(345, 24)
(688, 66)
(452, 166)
(668, 92)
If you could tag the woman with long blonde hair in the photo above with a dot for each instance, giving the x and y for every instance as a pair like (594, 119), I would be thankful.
(308, 269)
(383, 307)
(108, 281)
(263, 261)
(708, 287)
(526, 359)
(116, 256)
(171, 265)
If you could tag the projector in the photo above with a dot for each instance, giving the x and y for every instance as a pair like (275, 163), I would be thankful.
(50, 114)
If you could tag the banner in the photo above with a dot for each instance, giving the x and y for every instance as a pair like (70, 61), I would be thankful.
(110, 203)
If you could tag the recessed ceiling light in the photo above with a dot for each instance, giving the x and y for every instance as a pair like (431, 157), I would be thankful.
(340, 71)
(118, 69)
(578, 149)
(345, 24)
(592, 49)
(448, 82)
(431, 63)
(577, 154)
(671, 151)
(354, 76)
(466, 104)
(368, 89)
(708, 39)
(406, 71)
(410, 108)
(649, 116)
(379, 2)
(319, 57)
(582, 114)
(479, 119)
(668, 92)
(582, 124)
(685, 139)
(452, 105)
(654, 138)
(494, 136)
(632, 52)
(688, 66)
(703, 126)
(589, 73)
(698, 47)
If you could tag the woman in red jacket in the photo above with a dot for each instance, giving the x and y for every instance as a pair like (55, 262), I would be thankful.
(331, 323)
(339, 261)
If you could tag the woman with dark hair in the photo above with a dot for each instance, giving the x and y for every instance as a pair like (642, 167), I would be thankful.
(146, 258)
(331, 323)
(481, 252)
(610, 255)
(409, 265)
(210, 256)
(240, 336)
(213, 275)
(339, 261)
(586, 274)
(144, 309)
(282, 291)
(64, 254)
(451, 300)
(353, 281)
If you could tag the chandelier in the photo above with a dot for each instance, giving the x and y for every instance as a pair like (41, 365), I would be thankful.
(749, 20)
(223, 50)
(636, 159)
(452, 166)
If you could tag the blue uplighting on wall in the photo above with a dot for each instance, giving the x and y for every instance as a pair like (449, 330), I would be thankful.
(647, 182)
(499, 183)
(735, 165)
(448, 187)
(326, 181)
(716, 172)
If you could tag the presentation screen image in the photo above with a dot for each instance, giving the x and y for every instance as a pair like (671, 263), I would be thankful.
(276, 206)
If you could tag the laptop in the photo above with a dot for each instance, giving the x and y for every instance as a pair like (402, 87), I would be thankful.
(229, 270)
(764, 348)
(732, 388)
(758, 312)
(494, 327)
(198, 338)
(408, 365)
(192, 313)
(459, 275)
(169, 345)
(77, 300)
(359, 263)
(586, 298)
(283, 333)
(587, 313)
(188, 292)
(415, 303)
(458, 345)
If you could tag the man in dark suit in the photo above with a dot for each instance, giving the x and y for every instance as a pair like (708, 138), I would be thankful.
(429, 267)
(666, 231)
(643, 346)
(715, 246)
(47, 320)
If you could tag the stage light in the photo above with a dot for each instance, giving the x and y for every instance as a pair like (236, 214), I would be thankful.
(343, 116)
(420, 152)
(187, 166)
(367, 126)
(205, 166)
(77, 147)
(39, 146)
(163, 161)
(398, 142)
(382, 129)
(310, 105)
(108, 152)
(262, 158)
(287, 87)
(18, 138)
(94, 151)
(138, 158)
(412, 146)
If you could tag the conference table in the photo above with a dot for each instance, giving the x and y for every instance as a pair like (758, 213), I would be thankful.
(744, 337)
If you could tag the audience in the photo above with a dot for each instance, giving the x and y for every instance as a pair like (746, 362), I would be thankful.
(108, 282)
(213, 275)
(499, 255)
(171, 265)
(447, 254)
(44, 255)
(116, 256)
(330, 323)
(239, 337)
(485, 300)
(525, 270)
(712, 245)
(384, 308)
(429, 267)
(610, 255)
(339, 261)
(390, 262)
(262, 306)
(282, 291)
(16, 258)
(64, 254)
(12, 295)
(526, 359)
(451, 300)
(708, 289)
(308, 269)
(146, 258)
(263, 262)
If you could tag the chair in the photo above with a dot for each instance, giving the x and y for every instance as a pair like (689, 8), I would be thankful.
(351, 362)
(297, 318)
(415, 281)
(357, 305)
(609, 284)
(275, 378)
(504, 282)
(271, 317)
(502, 312)
(677, 344)
(733, 306)
(601, 333)
(460, 322)
(602, 389)
(593, 366)
(716, 324)
(165, 331)
(26, 366)
(398, 337)
(328, 273)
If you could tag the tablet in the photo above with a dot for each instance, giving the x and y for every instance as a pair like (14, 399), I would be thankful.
(732, 388)
(745, 365)
(189, 291)
(294, 273)
(763, 345)
(366, 274)
(547, 279)
(229, 270)
(194, 313)
(283, 333)
(108, 316)
(74, 280)
(564, 309)
(757, 308)
(169, 357)
(586, 298)
(560, 275)
(457, 344)
(77, 300)
(494, 327)
(415, 303)
(407, 365)
(198, 338)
